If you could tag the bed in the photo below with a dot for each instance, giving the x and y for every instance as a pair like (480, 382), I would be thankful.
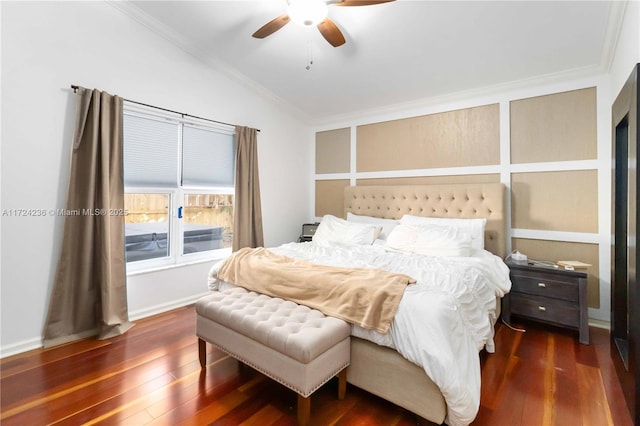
(401, 366)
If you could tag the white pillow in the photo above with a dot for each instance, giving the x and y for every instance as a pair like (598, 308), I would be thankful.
(386, 224)
(431, 240)
(335, 230)
(473, 227)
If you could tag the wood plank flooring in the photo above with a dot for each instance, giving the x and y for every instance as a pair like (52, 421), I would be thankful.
(151, 376)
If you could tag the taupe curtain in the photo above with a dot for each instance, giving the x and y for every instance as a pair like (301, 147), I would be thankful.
(89, 294)
(247, 223)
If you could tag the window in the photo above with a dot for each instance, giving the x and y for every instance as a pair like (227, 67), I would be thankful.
(147, 226)
(179, 188)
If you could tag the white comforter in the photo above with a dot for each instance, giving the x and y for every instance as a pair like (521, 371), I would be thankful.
(443, 320)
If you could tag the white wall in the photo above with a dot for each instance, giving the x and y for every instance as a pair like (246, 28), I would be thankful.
(46, 47)
(627, 53)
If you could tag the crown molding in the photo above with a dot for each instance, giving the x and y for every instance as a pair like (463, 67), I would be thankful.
(470, 96)
(612, 34)
(213, 62)
(614, 25)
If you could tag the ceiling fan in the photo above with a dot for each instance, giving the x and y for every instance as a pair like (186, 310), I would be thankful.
(313, 12)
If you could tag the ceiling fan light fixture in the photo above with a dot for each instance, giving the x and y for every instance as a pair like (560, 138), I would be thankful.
(307, 12)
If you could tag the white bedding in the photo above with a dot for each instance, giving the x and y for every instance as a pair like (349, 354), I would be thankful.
(443, 320)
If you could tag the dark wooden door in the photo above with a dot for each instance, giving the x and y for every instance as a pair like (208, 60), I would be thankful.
(625, 304)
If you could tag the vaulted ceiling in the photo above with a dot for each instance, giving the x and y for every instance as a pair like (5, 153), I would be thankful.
(395, 53)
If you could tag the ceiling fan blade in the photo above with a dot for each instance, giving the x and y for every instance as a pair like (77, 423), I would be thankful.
(360, 2)
(272, 26)
(331, 32)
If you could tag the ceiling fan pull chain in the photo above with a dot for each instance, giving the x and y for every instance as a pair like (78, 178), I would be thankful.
(310, 57)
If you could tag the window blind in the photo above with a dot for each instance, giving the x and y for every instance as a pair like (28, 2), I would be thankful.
(208, 157)
(150, 151)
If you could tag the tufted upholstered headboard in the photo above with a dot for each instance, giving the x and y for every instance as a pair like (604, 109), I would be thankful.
(453, 200)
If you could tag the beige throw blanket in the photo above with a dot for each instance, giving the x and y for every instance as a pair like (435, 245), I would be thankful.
(362, 296)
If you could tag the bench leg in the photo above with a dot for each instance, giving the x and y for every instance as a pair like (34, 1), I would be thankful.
(304, 410)
(342, 383)
(202, 352)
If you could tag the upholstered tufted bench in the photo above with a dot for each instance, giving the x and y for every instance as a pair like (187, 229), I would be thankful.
(293, 344)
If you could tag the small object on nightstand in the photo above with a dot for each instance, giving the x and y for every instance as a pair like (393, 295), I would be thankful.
(545, 292)
(518, 257)
(572, 265)
(308, 231)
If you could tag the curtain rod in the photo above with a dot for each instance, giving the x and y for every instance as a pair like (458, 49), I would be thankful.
(75, 89)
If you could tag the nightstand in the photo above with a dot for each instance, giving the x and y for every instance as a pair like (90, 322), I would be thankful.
(547, 294)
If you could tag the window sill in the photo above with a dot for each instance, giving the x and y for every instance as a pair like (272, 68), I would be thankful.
(174, 266)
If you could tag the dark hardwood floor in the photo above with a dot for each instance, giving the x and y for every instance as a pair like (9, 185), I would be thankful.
(151, 376)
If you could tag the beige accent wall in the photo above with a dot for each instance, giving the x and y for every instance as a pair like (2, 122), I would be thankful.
(561, 250)
(555, 201)
(466, 137)
(556, 127)
(544, 129)
(333, 151)
(330, 197)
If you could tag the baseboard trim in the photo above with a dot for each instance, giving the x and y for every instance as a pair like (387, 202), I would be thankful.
(164, 307)
(599, 323)
(20, 347)
(36, 342)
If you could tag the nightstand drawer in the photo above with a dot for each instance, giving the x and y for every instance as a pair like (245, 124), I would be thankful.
(542, 286)
(545, 309)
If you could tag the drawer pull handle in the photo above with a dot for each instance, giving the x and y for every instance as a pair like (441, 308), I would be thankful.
(542, 308)
(542, 285)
